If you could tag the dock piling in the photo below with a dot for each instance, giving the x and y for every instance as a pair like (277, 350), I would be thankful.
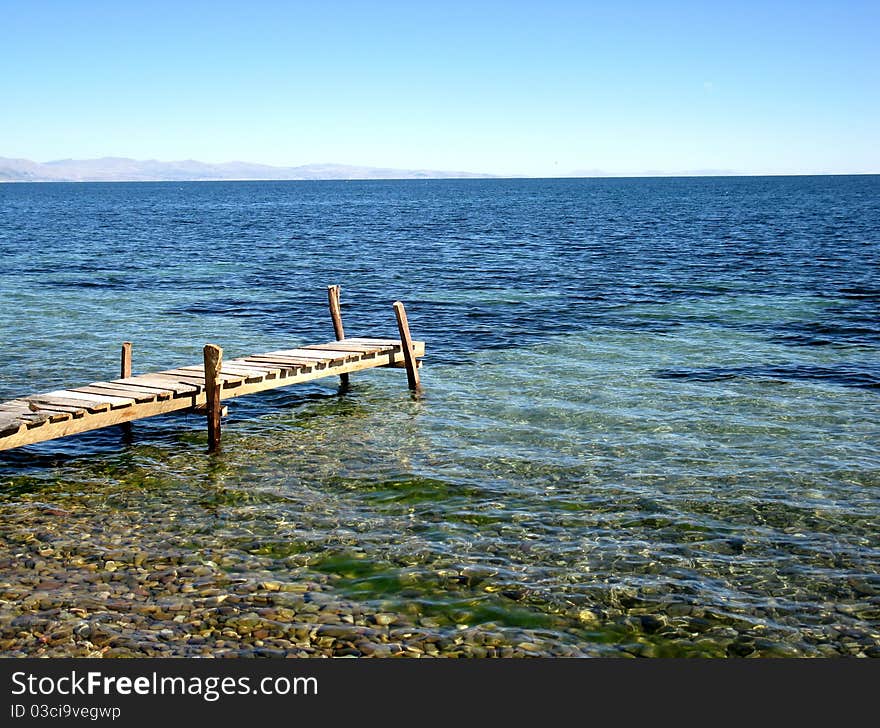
(213, 363)
(409, 357)
(125, 372)
(336, 315)
(125, 360)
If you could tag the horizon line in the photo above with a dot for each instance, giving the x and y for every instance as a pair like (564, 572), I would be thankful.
(406, 172)
(476, 178)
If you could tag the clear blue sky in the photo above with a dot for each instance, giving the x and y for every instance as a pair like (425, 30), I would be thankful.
(533, 88)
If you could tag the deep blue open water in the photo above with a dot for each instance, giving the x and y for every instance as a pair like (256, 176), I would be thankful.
(649, 423)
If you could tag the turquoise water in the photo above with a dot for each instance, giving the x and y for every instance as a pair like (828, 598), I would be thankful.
(649, 423)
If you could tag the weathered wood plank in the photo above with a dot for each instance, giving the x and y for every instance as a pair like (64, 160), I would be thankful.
(163, 384)
(195, 381)
(371, 340)
(32, 415)
(50, 399)
(38, 418)
(290, 368)
(15, 405)
(198, 372)
(290, 362)
(114, 392)
(61, 413)
(59, 409)
(10, 424)
(266, 370)
(323, 355)
(114, 402)
(346, 346)
(250, 374)
(43, 417)
(140, 389)
(239, 367)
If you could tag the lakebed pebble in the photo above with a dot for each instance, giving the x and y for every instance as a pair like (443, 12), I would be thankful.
(105, 595)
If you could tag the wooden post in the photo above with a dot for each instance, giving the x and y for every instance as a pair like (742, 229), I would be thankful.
(125, 361)
(409, 359)
(336, 315)
(125, 372)
(213, 364)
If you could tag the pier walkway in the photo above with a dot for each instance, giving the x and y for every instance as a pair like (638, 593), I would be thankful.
(40, 417)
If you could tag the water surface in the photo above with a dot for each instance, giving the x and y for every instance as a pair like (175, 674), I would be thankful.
(649, 423)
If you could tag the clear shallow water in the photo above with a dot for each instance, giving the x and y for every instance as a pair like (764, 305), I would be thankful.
(649, 426)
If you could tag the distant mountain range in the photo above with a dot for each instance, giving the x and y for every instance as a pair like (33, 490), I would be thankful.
(656, 173)
(120, 169)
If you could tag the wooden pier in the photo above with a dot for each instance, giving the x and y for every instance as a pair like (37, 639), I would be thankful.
(41, 417)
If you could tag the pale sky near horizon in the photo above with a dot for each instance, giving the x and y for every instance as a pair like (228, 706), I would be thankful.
(532, 88)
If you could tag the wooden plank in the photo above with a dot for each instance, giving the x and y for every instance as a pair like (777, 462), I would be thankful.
(38, 419)
(70, 402)
(114, 402)
(418, 346)
(193, 380)
(47, 415)
(162, 384)
(303, 353)
(370, 340)
(292, 362)
(32, 414)
(115, 392)
(140, 389)
(236, 366)
(366, 349)
(262, 368)
(59, 409)
(15, 405)
(328, 355)
(10, 424)
(198, 372)
(291, 368)
(250, 374)
(245, 363)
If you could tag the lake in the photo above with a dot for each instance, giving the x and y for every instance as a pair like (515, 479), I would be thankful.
(649, 425)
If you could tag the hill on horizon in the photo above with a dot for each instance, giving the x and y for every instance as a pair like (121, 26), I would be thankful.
(123, 169)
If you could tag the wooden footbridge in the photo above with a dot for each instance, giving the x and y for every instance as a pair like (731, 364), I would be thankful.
(202, 387)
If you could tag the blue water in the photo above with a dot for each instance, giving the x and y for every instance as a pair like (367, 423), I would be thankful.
(649, 423)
